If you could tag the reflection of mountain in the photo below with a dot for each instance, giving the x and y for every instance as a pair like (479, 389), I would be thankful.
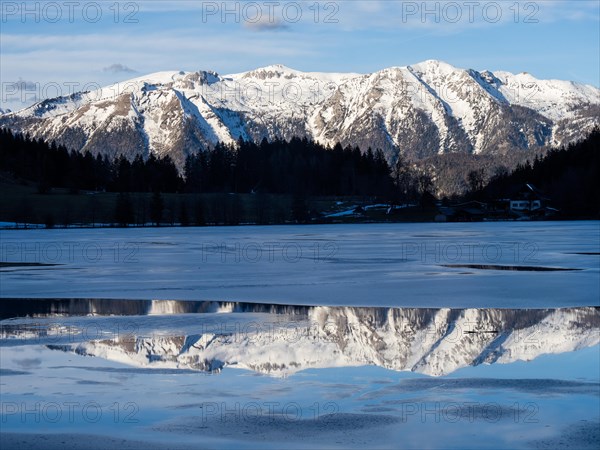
(280, 340)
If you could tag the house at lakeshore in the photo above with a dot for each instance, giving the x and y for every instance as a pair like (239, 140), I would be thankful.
(528, 199)
(530, 202)
(524, 202)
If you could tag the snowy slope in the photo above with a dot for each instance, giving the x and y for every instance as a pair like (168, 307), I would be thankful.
(554, 99)
(425, 109)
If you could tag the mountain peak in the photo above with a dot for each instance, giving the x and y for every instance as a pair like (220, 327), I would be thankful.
(434, 65)
(277, 68)
(272, 71)
(434, 62)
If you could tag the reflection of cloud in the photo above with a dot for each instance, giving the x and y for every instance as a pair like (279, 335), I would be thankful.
(118, 68)
(28, 363)
(264, 24)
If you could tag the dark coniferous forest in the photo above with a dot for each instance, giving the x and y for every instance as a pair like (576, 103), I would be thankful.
(299, 168)
(569, 177)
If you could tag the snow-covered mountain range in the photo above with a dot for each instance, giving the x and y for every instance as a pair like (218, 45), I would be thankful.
(420, 110)
(430, 341)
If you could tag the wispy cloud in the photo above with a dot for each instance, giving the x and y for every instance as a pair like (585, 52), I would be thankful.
(119, 68)
(265, 24)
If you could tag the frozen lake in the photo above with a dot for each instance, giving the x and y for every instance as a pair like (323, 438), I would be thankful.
(409, 336)
(458, 265)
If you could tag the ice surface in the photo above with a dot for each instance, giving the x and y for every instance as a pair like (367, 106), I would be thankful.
(363, 407)
(363, 264)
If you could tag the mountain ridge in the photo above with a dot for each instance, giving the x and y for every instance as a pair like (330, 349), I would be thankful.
(422, 110)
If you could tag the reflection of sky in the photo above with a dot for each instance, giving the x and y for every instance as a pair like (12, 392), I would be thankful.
(167, 395)
(581, 365)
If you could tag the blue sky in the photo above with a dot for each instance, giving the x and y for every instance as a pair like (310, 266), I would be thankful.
(51, 47)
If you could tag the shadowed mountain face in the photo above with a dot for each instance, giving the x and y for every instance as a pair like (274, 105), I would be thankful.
(422, 110)
(281, 340)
